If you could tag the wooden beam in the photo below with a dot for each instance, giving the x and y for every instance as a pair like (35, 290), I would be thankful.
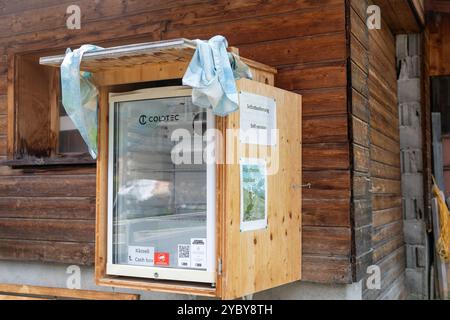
(437, 6)
(47, 292)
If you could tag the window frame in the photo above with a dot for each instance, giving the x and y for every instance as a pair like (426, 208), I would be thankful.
(208, 276)
(17, 154)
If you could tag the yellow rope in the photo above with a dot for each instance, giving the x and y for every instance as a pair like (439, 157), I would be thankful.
(443, 243)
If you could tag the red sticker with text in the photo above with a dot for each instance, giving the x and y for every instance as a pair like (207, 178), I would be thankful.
(161, 258)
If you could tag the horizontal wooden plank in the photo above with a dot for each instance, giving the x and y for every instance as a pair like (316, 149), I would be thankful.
(384, 66)
(360, 8)
(383, 120)
(327, 184)
(274, 26)
(386, 186)
(359, 80)
(9, 7)
(45, 170)
(325, 129)
(386, 216)
(297, 50)
(50, 186)
(360, 106)
(381, 170)
(326, 240)
(306, 77)
(359, 54)
(324, 102)
(362, 212)
(384, 156)
(385, 96)
(328, 156)
(131, 30)
(360, 132)
(47, 251)
(324, 269)
(383, 40)
(384, 232)
(47, 230)
(387, 247)
(358, 27)
(391, 267)
(381, 201)
(360, 185)
(42, 18)
(361, 158)
(4, 297)
(324, 212)
(396, 291)
(50, 292)
(379, 139)
(180, 14)
(362, 240)
(47, 208)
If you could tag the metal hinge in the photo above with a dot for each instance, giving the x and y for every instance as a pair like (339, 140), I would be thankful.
(219, 266)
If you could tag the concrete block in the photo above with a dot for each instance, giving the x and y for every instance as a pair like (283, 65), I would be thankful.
(412, 185)
(414, 231)
(415, 256)
(410, 137)
(415, 282)
(413, 208)
(422, 256)
(409, 90)
(410, 114)
(402, 46)
(414, 45)
(411, 260)
(416, 67)
(411, 161)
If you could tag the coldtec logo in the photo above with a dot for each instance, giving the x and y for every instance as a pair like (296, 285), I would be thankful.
(153, 121)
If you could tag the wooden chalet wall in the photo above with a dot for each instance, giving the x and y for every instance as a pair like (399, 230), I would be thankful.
(377, 204)
(47, 214)
(439, 43)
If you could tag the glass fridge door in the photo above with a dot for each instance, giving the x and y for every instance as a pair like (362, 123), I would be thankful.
(161, 214)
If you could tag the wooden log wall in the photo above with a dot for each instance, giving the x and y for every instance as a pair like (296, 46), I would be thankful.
(48, 214)
(377, 203)
(438, 33)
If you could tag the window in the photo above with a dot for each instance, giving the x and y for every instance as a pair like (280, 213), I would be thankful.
(441, 101)
(69, 139)
(42, 133)
(158, 208)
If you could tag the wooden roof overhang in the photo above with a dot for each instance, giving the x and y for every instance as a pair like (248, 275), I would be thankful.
(403, 16)
(438, 6)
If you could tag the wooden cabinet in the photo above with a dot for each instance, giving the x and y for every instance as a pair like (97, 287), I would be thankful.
(217, 205)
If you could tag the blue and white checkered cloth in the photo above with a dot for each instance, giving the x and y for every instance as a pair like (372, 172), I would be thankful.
(79, 96)
(212, 73)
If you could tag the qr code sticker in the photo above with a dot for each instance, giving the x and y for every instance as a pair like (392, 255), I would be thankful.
(184, 255)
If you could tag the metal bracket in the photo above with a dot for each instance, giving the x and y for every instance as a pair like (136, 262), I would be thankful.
(219, 266)
(301, 186)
